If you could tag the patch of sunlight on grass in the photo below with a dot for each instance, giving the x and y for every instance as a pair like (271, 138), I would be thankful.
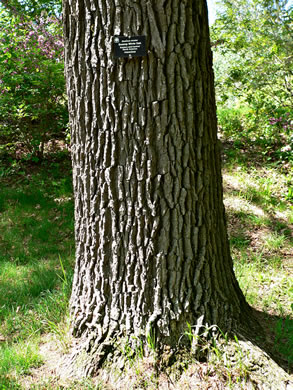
(263, 287)
(32, 314)
(274, 240)
(285, 215)
(239, 204)
(20, 283)
(36, 229)
(264, 186)
(18, 359)
(239, 180)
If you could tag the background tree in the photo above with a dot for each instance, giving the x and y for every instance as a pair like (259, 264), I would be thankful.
(253, 46)
(151, 244)
(259, 35)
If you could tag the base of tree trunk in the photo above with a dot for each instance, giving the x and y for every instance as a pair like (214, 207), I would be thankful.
(89, 355)
(245, 362)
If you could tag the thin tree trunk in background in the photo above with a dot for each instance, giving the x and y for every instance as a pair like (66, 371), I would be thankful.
(151, 239)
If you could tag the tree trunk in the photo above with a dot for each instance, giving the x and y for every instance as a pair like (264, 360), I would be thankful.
(151, 243)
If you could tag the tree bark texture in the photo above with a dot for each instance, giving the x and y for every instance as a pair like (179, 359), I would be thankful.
(151, 241)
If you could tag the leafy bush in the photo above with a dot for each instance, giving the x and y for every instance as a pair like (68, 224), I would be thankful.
(252, 44)
(32, 86)
(272, 131)
(235, 122)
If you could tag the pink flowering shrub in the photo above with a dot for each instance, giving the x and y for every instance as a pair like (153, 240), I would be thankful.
(282, 122)
(32, 87)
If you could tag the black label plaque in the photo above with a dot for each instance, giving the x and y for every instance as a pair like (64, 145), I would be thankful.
(129, 46)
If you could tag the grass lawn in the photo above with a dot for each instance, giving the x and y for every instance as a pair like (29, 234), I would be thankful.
(36, 248)
(37, 258)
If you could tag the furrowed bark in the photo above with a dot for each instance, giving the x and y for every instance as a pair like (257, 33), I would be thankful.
(151, 241)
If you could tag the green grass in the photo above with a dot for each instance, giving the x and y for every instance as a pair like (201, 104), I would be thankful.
(19, 358)
(36, 231)
(259, 214)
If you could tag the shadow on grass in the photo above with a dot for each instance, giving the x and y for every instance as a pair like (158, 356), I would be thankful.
(250, 209)
(248, 223)
(36, 231)
(36, 217)
(277, 340)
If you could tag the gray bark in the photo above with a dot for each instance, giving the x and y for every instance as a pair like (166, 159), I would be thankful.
(151, 242)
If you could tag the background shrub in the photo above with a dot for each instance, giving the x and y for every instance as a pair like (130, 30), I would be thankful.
(32, 85)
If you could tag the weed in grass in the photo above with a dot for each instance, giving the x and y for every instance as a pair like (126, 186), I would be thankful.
(128, 351)
(274, 241)
(258, 220)
(138, 347)
(151, 340)
(224, 357)
(289, 195)
(61, 333)
(7, 383)
(134, 349)
(258, 259)
(275, 262)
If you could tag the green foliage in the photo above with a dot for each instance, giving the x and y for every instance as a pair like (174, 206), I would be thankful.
(270, 132)
(252, 43)
(255, 38)
(32, 8)
(32, 86)
(235, 122)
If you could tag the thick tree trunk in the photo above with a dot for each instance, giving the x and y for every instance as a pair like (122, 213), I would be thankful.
(151, 242)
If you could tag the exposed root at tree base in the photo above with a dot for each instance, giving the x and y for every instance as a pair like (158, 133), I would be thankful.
(238, 364)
